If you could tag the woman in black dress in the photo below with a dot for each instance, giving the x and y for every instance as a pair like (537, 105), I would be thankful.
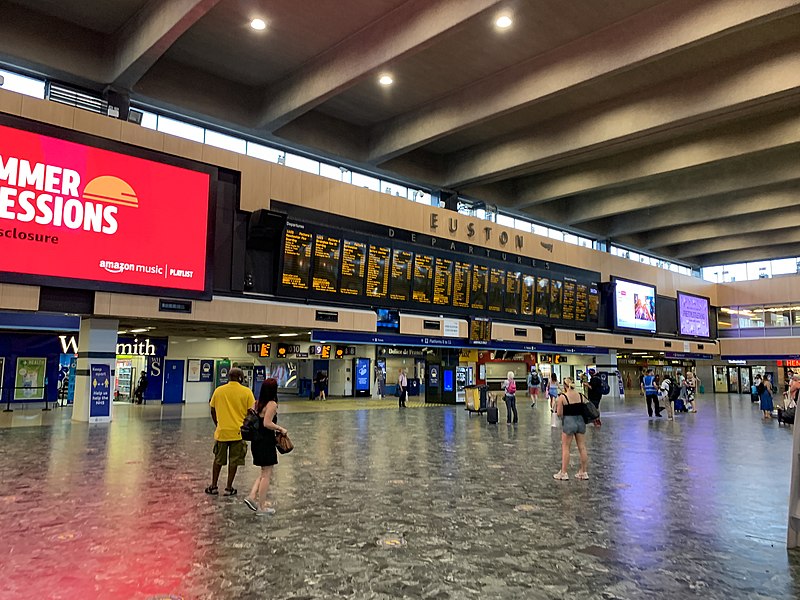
(263, 447)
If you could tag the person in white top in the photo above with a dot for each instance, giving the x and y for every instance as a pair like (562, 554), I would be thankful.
(402, 386)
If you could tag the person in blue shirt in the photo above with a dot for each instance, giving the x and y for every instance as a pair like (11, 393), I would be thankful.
(650, 391)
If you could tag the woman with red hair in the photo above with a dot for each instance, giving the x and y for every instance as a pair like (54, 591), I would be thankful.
(263, 448)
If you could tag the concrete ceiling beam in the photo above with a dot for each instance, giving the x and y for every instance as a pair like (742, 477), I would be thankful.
(789, 233)
(763, 252)
(647, 36)
(149, 34)
(409, 28)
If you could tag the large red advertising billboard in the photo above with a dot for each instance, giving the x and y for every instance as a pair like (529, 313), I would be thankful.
(78, 212)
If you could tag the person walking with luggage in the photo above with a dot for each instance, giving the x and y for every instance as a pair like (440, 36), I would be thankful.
(765, 397)
(786, 414)
(265, 455)
(402, 386)
(534, 385)
(229, 405)
(510, 387)
(569, 407)
(650, 391)
(692, 383)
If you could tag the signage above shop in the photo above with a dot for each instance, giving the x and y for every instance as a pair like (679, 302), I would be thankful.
(183, 307)
(695, 355)
(787, 363)
(71, 213)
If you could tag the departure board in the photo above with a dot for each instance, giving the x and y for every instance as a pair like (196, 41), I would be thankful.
(528, 291)
(378, 272)
(556, 289)
(326, 263)
(461, 284)
(402, 266)
(443, 282)
(568, 307)
(354, 264)
(423, 278)
(497, 281)
(513, 289)
(296, 258)
(542, 297)
(594, 303)
(480, 287)
(581, 301)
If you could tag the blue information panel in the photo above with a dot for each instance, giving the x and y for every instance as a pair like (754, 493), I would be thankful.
(448, 380)
(207, 370)
(362, 375)
(259, 377)
(100, 395)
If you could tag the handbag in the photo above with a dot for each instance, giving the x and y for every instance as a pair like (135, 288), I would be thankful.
(590, 412)
(283, 443)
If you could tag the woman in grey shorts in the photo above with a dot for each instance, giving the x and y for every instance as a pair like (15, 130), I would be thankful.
(569, 407)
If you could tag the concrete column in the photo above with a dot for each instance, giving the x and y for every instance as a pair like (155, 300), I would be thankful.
(97, 345)
(608, 363)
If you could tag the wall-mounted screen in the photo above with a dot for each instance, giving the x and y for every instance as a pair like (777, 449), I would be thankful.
(693, 317)
(388, 320)
(480, 330)
(634, 305)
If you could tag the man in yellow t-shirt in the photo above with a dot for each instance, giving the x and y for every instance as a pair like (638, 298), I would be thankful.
(229, 406)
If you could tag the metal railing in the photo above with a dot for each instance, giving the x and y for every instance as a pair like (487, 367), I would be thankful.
(9, 396)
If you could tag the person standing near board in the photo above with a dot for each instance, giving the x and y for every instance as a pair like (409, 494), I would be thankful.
(402, 388)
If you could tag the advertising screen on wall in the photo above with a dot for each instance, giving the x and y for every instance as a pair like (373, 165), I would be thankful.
(634, 305)
(94, 218)
(693, 315)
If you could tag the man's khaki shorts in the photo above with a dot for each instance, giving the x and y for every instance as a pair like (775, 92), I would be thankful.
(237, 450)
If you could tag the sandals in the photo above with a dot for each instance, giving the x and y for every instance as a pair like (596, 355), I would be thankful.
(229, 492)
(212, 490)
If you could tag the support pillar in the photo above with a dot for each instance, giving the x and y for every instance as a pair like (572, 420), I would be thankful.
(97, 346)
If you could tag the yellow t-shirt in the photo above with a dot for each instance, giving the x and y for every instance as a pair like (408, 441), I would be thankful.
(231, 402)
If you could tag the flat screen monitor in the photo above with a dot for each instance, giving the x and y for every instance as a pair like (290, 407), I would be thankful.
(480, 330)
(634, 305)
(693, 317)
(388, 320)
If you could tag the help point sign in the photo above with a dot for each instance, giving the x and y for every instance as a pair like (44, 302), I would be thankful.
(78, 212)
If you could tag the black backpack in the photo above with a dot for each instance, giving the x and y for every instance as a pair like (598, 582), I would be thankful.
(251, 426)
(535, 379)
(674, 390)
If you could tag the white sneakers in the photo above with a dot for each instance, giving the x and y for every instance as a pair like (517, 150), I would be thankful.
(561, 476)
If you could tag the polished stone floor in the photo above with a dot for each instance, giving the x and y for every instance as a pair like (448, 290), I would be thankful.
(422, 503)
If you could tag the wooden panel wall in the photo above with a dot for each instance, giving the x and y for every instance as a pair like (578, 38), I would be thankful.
(612, 340)
(504, 332)
(776, 290)
(775, 346)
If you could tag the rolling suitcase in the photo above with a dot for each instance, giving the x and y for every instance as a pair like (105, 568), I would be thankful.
(492, 412)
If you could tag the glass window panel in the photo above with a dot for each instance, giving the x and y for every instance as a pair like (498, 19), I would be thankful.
(571, 239)
(226, 142)
(555, 234)
(424, 198)
(480, 213)
(673, 267)
(149, 120)
(736, 272)
(301, 163)
(725, 317)
(752, 317)
(23, 85)
(263, 152)
(758, 270)
(332, 172)
(181, 129)
(784, 266)
(366, 181)
(387, 187)
(632, 255)
(540, 230)
(505, 220)
(522, 225)
(713, 274)
(780, 316)
(584, 242)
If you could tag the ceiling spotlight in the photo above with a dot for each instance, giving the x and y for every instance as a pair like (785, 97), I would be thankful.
(503, 22)
(258, 24)
(386, 80)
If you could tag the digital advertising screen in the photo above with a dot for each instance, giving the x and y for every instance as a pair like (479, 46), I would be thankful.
(693, 317)
(388, 320)
(83, 214)
(634, 305)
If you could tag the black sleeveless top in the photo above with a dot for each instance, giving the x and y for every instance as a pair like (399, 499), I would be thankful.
(574, 409)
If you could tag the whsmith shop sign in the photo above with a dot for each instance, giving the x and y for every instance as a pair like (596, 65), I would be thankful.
(84, 214)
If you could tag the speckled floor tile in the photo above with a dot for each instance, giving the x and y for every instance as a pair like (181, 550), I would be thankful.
(421, 503)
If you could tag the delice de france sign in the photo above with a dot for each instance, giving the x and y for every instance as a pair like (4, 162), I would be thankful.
(78, 212)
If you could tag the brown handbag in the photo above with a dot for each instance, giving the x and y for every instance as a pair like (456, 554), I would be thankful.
(283, 443)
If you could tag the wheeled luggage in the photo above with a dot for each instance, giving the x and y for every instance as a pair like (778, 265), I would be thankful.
(680, 405)
(492, 413)
(786, 416)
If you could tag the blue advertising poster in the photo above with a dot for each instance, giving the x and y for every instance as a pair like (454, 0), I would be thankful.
(207, 371)
(100, 393)
(604, 378)
(433, 376)
(259, 375)
(362, 374)
(155, 378)
(448, 380)
(621, 384)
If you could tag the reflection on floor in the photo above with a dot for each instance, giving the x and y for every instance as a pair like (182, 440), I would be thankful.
(403, 504)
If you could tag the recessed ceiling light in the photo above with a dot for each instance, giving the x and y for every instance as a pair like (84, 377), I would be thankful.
(386, 79)
(288, 334)
(236, 337)
(258, 24)
(258, 337)
(143, 330)
(503, 22)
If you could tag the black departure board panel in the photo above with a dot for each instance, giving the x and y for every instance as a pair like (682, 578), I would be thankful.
(358, 268)
(378, 272)
(569, 300)
(402, 267)
(461, 284)
(297, 245)
(443, 282)
(354, 265)
(480, 287)
(497, 283)
(423, 278)
(513, 295)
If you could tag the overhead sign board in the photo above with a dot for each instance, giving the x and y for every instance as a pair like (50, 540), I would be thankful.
(82, 214)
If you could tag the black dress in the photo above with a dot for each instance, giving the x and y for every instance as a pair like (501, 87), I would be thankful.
(263, 447)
